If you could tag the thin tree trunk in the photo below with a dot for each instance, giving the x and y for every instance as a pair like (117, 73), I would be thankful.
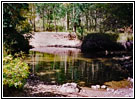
(54, 16)
(49, 21)
(55, 25)
(87, 22)
(67, 25)
(95, 20)
(33, 12)
(73, 18)
(43, 20)
(34, 26)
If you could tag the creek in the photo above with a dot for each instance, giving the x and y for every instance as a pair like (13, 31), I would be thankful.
(59, 66)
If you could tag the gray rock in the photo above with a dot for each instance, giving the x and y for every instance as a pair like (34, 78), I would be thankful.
(103, 87)
(69, 88)
(110, 89)
(130, 79)
(95, 86)
(98, 86)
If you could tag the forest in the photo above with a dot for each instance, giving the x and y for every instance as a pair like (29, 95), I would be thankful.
(69, 45)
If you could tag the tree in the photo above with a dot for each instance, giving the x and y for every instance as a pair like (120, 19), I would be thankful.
(15, 26)
(116, 15)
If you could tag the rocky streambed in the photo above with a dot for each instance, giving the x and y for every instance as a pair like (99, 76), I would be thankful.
(36, 88)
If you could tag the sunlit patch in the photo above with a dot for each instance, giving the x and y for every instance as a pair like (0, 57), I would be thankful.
(45, 73)
(81, 83)
(58, 70)
(119, 84)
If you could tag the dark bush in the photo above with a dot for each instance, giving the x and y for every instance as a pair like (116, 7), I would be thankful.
(15, 27)
(96, 42)
(15, 42)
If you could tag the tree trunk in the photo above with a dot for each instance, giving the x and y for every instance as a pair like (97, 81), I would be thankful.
(54, 16)
(43, 20)
(33, 14)
(34, 26)
(55, 23)
(74, 27)
(87, 22)
(95, 20)
(67, 18)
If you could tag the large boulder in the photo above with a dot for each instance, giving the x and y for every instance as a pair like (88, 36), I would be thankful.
(97, 42)
(70, 88)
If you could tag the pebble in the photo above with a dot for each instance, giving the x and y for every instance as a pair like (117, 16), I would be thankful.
(117, 92)
(110, 89)
(103, 87)
(95, 86)
(98, 86)
(130, 79)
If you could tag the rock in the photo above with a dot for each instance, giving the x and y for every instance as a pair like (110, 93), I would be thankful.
(110, 89)
(69, 88)
(103, 87)
(130, 79)
(117, 92)
(26, 85)
(98, 86)
(95, 86)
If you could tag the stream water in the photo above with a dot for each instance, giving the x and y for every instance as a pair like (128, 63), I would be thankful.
(74, 67)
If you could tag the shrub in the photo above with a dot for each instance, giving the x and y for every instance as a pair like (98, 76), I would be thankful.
(96, 42)
(15, 71)
(15, 25)
(15, 42)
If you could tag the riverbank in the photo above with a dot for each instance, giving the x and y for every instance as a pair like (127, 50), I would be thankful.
(40, 89)
(54, 39)
(36, 88)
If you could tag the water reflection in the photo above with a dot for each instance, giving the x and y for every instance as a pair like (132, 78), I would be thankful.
(63, 68)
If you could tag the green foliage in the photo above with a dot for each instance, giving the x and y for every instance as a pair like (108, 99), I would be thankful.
(94, 17)
(15, 71)
(15, 25)
(80, 32)
(60, 28)
(52, 27)
(122, 15)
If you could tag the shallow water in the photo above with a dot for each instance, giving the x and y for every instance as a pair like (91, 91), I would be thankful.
(74, 67)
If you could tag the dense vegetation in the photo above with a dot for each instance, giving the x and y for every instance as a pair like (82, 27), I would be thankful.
(15, 25)
(15, 71)
(81, 16)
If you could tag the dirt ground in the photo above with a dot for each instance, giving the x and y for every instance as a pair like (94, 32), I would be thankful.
(53, 39)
